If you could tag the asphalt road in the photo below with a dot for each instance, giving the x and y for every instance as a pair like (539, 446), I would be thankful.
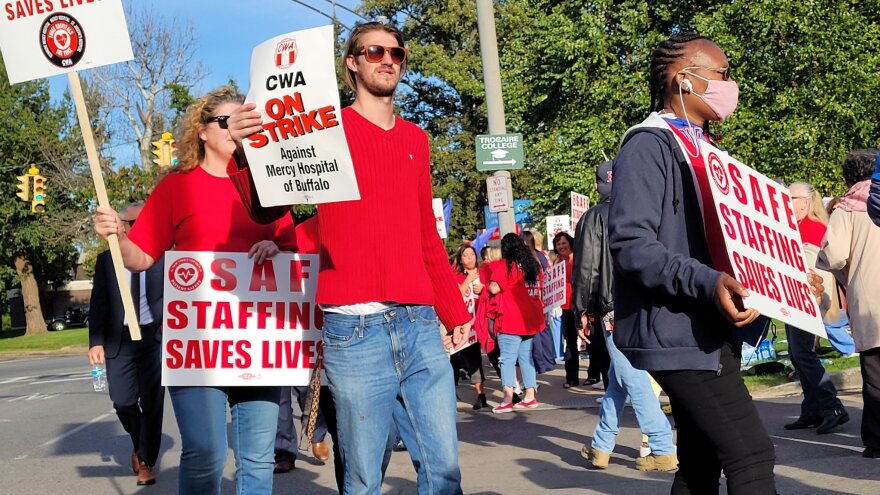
(57, 436)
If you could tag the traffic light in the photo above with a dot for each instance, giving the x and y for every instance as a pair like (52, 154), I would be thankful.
(24, 187)
(38, 205)
(165, 150)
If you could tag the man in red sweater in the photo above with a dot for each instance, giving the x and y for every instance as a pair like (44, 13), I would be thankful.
(383, 274)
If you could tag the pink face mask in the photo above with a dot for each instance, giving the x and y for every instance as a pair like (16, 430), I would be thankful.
(720, 96)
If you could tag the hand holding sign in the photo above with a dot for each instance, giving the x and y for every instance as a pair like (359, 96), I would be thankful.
(729, 295)
(244, 121)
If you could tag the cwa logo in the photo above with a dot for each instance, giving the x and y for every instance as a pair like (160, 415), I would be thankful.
(62, 40)
(186, 274)
(285, 53)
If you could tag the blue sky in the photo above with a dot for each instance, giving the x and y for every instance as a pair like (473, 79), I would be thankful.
(227, 30)
(226, 33)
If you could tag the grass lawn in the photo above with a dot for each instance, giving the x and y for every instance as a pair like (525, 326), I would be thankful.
(15, 342)
(837, 363)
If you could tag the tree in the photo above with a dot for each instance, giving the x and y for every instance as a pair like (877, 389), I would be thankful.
(36, 247)
(141, 91)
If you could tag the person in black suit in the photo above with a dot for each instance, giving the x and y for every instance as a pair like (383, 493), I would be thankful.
(134, 368)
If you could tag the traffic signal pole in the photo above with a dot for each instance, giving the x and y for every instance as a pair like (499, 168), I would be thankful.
(122, 278)
(494, 97)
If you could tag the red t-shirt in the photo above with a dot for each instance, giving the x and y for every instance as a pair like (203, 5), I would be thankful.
(385, 246)
(812, 231)
(523, 310)
(196, 211)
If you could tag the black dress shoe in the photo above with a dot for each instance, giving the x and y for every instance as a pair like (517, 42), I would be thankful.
(804, 422)
(283, 466)
(871, 453)
(832, 421)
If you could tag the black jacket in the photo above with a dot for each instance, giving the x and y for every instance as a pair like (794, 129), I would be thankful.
(106, 314)
(592, 279)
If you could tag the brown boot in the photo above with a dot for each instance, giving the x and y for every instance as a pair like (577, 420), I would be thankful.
(146, 474)
(597, 458)
(654, 462)
(321, 451)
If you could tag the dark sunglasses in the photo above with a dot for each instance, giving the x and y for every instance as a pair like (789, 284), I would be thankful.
(724, 71)
(375, 53)
(220, 120)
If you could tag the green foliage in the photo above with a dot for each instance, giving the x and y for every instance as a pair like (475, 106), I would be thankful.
(34, 131)
(181, 99)
(575, 77)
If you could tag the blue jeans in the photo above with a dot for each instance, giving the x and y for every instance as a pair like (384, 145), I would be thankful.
(516, 349)
(820, 395)
(555, 324)
(392, 364)
(201, 419)
(839, 336)
(625, 380)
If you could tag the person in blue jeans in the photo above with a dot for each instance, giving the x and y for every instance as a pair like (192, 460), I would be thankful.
(623, 381)
(517, 282)
(593, 295)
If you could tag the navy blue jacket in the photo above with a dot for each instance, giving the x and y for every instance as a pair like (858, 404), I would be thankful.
(874, 195)
(664, 283)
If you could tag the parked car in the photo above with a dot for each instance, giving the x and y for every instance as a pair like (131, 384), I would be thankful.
(73, 317)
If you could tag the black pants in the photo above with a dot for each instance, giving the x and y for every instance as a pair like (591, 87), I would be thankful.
(718, 429)
(134, 377)
(820, 395)
(572, 356)
(470, 360)
(870, 364)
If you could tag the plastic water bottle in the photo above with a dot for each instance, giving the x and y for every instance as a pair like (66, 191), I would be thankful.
(99, 378)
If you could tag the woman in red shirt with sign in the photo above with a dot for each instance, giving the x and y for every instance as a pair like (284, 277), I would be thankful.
(518, 281)
(469, 359)
(195, 207)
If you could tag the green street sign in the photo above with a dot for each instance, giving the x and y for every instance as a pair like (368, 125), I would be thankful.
(499, 151)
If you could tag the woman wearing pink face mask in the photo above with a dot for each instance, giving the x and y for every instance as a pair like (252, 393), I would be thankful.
(677, 311)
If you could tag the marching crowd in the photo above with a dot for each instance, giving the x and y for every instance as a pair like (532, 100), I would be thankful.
(647, 292)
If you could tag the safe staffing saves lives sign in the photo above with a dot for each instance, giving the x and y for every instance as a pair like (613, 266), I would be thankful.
(42, 38)
(231, 322)
(763, 243)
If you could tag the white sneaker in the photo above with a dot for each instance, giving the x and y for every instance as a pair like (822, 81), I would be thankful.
(599, 399)
(598, 386)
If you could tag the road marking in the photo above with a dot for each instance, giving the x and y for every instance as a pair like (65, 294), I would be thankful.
(62, 380)
(36, 396)
(77, 429)
(16, 379)
(21, 360)
(825, 444)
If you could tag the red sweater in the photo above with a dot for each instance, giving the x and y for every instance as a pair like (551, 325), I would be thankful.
(385, 246)
(196, 211)
(812, 231)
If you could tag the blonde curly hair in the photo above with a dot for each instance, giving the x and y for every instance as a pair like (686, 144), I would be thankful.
(190, 147)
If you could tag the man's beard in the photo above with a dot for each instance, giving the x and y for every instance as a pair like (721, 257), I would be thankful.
(378, 90)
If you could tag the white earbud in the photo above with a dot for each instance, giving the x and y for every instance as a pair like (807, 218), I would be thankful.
(686, 85)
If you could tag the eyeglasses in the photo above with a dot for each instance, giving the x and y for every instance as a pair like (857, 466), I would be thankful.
(221, 120)
(376, 53)
(800, 197)
(130, 222)
(724, 71)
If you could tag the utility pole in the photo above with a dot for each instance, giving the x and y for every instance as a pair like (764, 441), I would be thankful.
(494, 97)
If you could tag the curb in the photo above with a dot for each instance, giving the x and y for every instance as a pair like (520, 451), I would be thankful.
(64, 351)
(848, 379)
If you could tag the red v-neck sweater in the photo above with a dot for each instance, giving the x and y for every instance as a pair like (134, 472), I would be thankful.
(385, 246)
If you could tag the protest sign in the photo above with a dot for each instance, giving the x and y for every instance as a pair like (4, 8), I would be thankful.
(231, 322)
(440, 217)
(763, 243)
(555, 225)
(579, 205)
(554, 290)
(47, 38)
(301, 156)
